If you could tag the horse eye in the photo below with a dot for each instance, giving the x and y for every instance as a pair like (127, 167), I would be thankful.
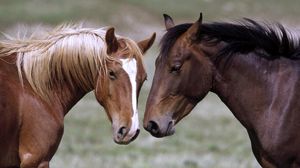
(112, 74)
(175, 69)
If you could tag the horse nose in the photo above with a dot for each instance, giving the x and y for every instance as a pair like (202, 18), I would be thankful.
(122, 132)
(152, 127)
(159, 130)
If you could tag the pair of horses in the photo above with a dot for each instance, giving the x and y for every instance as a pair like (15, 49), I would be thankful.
(254, 69)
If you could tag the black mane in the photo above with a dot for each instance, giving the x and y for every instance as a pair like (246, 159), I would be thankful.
(243, 37)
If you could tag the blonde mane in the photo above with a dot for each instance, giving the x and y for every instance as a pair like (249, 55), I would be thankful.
(68, 54)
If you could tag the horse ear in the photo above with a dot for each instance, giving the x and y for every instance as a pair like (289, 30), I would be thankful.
(192, 31)
(169, 23)
(144, 45)
(111, 41)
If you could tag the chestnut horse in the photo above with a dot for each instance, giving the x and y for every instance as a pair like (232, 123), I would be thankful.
(42, 78)
(253, 67)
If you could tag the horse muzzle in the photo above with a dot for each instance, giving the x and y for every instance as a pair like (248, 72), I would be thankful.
(162, 128)
(124, 136)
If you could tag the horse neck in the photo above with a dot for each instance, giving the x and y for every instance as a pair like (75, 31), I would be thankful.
(63, 99)
(243, 83)
(67, 98)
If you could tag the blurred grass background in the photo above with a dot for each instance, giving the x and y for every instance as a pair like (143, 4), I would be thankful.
(209, 137)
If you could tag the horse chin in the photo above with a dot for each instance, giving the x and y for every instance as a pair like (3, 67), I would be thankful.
(161, 135)
(170, 132)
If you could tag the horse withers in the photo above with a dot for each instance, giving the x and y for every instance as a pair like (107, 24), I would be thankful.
(42, 78)
(253, 67)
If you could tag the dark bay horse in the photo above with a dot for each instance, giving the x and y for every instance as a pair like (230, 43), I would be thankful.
(253, 67)
(42, 78)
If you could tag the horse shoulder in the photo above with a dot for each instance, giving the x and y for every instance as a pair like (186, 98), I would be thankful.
(278, 130)
(9, 117)
(41, 130)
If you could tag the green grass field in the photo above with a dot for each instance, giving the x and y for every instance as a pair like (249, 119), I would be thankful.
(210, 137)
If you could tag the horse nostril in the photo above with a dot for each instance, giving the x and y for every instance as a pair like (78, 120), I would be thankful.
(153, 127)
(122, 132)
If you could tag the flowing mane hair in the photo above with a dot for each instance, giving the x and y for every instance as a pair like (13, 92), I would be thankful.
(69, 55)
(271, 41)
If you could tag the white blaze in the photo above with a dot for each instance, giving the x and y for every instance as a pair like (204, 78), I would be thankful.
(130, 66)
